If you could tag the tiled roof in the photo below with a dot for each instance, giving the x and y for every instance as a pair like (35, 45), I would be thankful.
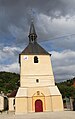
(34, 49)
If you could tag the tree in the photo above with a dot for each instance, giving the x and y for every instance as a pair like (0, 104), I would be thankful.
(66, 89)
(8, 81)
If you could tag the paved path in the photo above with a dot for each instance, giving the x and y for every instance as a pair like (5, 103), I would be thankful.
(46, 115)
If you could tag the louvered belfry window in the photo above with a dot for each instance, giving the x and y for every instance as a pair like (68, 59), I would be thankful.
(35, 59)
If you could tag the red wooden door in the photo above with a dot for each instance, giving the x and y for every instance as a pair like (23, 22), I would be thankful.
(38, 106)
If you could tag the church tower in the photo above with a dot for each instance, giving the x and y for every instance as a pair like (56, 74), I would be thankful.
(37, 91)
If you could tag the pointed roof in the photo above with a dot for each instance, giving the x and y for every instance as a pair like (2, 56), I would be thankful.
(33, 47)
(32, 28)
(32, 34)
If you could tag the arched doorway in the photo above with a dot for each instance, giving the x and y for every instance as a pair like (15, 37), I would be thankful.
(38, 106)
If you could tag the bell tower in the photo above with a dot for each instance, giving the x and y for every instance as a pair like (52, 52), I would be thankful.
(37, 91)
(32, 34)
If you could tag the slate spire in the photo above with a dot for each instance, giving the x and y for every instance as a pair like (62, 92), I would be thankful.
(32, 34)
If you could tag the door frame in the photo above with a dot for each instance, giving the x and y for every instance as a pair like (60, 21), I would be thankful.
(41, 97)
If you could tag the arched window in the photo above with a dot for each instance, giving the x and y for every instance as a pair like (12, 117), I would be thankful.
(35, 59)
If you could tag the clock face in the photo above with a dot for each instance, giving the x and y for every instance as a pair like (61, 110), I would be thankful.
(25, 57)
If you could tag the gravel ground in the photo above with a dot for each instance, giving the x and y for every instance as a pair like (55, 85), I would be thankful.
(44, 115)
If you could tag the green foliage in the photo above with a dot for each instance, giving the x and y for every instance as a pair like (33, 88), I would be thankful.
(8, 81)
(66, 88)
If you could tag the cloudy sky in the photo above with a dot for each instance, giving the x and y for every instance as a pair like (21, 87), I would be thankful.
(55, 26)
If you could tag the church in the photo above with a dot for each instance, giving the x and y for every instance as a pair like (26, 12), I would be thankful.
(37, 91)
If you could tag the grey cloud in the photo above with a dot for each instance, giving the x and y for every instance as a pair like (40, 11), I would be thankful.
(14, 67)
(64, 43)
(63, 64)
(52, 18)
(60, 33)
(9, 55)
(18, 13)
(20, 7)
